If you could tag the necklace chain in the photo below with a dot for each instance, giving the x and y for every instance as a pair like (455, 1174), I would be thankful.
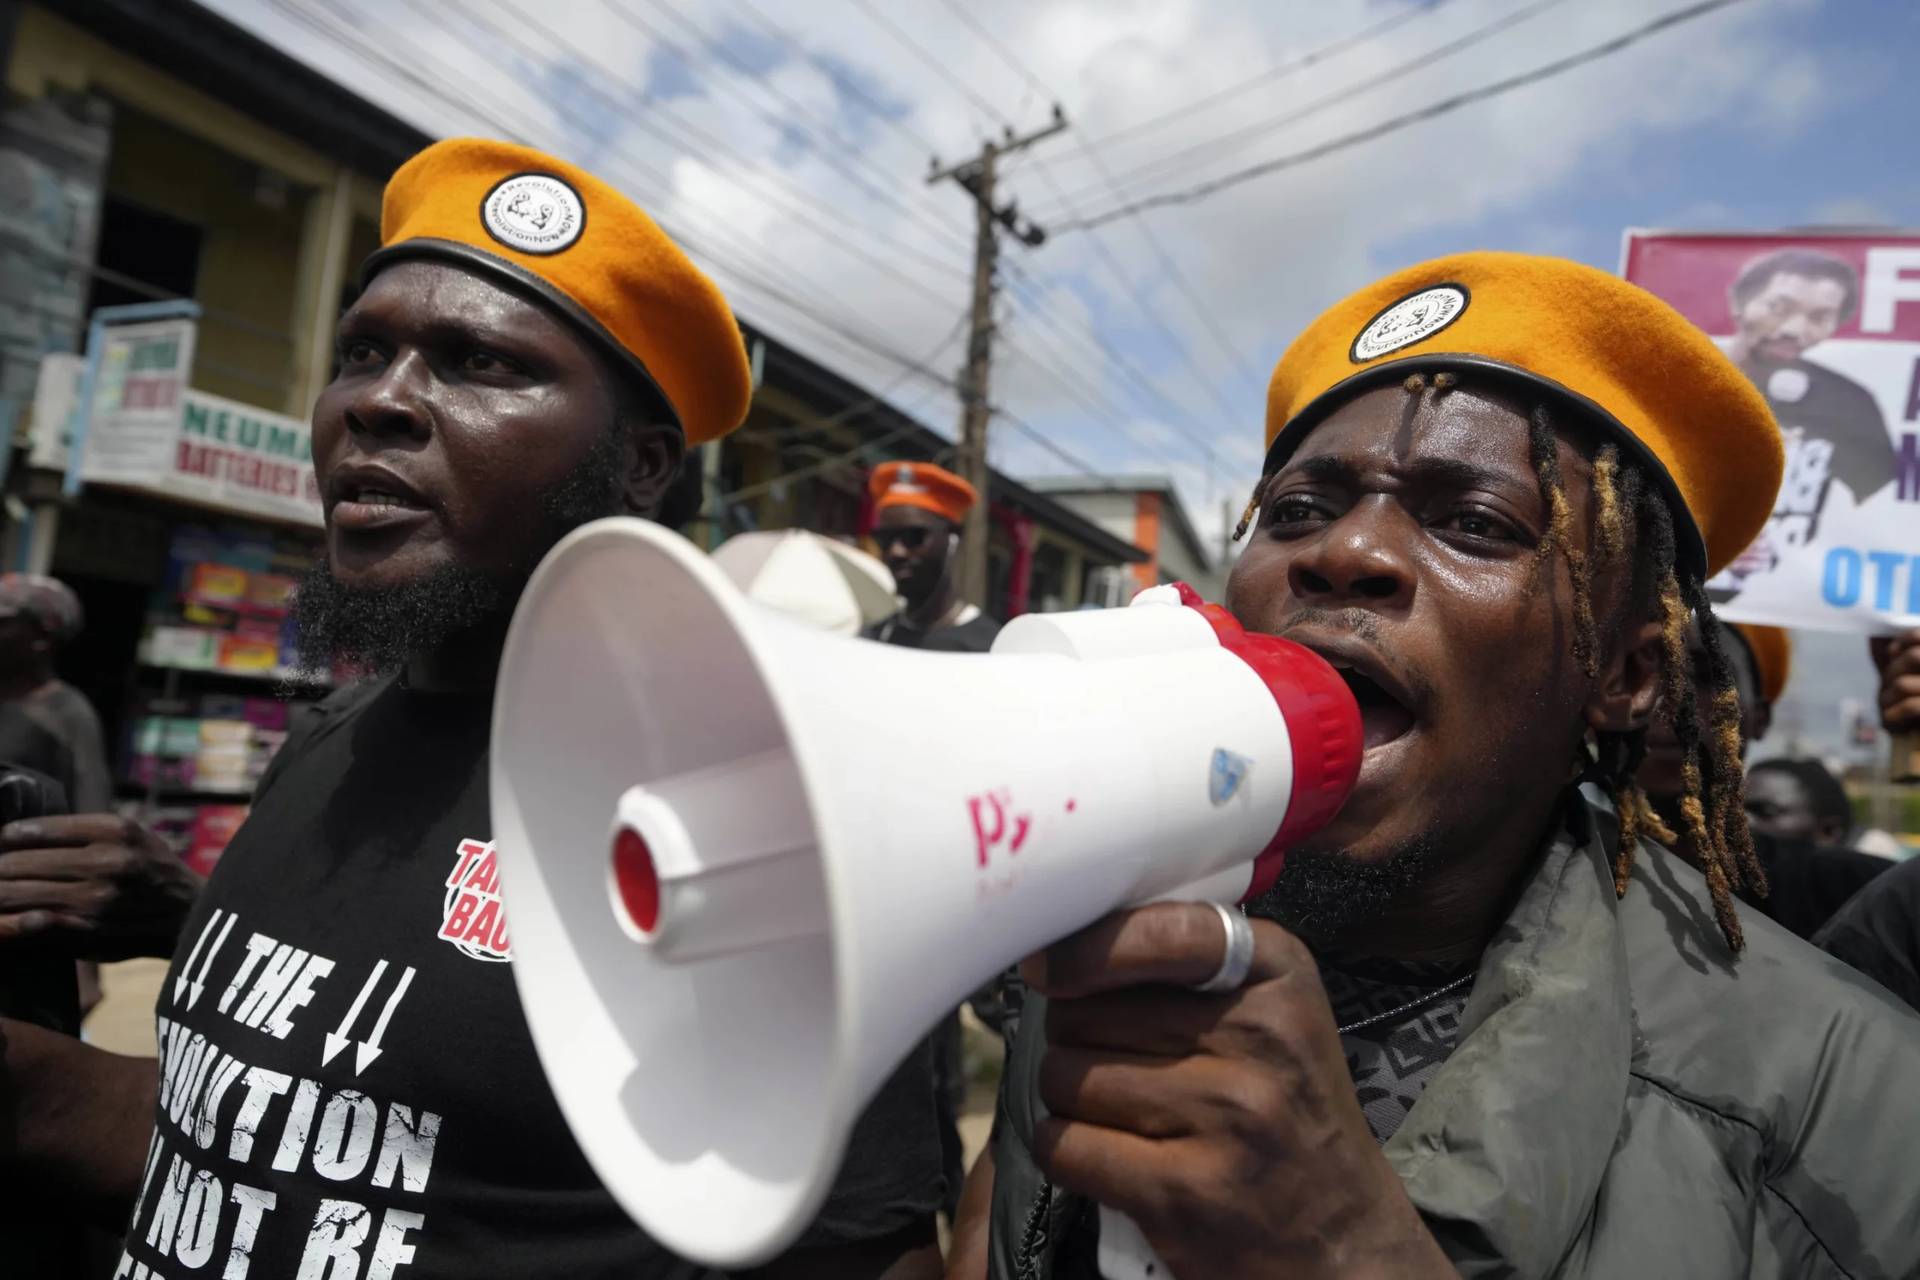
(1424, 998)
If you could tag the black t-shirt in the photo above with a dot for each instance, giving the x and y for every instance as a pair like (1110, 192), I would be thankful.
(1807, 883)
(976, 635)
(1878, 931)
(348, 1086)
(1836, 433)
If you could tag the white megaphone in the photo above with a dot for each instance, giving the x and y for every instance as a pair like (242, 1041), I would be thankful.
(750, 864)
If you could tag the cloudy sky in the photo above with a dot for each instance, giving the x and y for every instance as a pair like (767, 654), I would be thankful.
(787, 145)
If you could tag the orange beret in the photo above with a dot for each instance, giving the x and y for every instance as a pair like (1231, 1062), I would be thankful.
(921, 484)
(1625, 359)
(586, 250)
(1772, 652)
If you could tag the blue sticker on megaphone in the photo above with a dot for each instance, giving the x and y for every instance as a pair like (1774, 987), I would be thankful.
(1226, 775)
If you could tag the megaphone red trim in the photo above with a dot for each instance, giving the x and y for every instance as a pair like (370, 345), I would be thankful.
(1322, 718)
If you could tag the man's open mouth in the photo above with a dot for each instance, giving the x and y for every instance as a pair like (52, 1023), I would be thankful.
(367, 497)
(1387, 701)
(1383, 718)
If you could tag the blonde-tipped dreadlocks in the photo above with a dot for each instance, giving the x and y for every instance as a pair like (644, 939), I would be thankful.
(1712, 806)
(1634, 534)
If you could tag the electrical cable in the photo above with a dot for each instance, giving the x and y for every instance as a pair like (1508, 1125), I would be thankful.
(1445, 106)
(1204, 152)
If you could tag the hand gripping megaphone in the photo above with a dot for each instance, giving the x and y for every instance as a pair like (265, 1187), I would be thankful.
(749, 864)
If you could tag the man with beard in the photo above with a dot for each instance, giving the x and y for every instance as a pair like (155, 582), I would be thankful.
(1783, 304)
(1477, 1027)
(919, 509)
(346, 1084)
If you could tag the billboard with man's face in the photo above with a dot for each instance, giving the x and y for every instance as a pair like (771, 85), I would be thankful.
(1828, 327)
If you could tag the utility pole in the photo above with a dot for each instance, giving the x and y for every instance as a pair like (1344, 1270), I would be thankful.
(977, 177)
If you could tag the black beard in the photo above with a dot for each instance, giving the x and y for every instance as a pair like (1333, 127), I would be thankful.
(1320, 892)
(376, 630)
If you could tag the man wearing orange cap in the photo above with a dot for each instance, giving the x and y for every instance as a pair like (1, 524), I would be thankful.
(919, 509)
(346, 1086)
(1479, 1026)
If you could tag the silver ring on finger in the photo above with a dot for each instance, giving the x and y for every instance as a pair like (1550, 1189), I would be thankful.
(1238, 961)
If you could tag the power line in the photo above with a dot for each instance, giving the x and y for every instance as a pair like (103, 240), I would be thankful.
(843, 335)
(1148, 312)
(874, 401)
(934, 64)
(1314, 57)
(1444, 107)
(1174, 273)
(816, 128)
(406, 62)
(1206, 150)
(892, 119)
(650, 110)
(842, 82)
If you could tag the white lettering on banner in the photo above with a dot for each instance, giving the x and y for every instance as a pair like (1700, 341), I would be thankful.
(201, 1220)
(257, 946)
(186, 979)
(406, 1148)
(263, 1086)
(252, 1204)
(1887, 285)
(293, 1138)
(333, 1246)
(346, 1136)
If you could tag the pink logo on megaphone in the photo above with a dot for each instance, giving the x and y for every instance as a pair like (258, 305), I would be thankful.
(995, 826)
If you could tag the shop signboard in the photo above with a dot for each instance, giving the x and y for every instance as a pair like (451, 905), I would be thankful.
(138, 384)
(1827, 325)
(203, 449)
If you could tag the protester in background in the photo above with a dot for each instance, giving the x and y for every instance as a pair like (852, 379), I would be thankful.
(1878, 932)
(1798, 800)
(1478, 1027)
(530, 352)
(1804, 883)
(919, 510)
(38, 616)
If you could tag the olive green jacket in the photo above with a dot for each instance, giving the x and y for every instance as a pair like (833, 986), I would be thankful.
(1625, 1099)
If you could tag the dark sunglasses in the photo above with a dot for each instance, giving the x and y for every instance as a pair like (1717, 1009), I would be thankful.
(912, 537)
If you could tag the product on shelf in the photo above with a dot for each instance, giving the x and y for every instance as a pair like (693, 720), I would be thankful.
(213, 828)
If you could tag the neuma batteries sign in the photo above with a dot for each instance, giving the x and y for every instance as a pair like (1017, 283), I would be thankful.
(176, 442)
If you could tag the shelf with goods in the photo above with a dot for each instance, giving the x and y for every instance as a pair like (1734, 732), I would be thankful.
(215, 685)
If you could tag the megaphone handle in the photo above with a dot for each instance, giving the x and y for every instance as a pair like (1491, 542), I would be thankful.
(1124, 1252)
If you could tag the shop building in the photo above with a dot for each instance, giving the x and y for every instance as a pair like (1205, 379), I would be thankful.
(1146, 511)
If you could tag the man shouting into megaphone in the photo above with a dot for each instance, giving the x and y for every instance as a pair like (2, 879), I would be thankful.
(1484, 1028)
(346, 1084)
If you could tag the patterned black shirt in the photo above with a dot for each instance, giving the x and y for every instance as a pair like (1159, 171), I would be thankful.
(1391, 1060)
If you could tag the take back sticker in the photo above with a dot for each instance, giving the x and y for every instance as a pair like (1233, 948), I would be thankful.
(472, 917)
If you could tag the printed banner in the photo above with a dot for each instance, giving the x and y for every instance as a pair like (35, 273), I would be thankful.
(1828, 326)
(202, 449)
(136, 399)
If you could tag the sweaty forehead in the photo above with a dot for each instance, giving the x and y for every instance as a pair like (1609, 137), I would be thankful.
(425, 292)
(1463, 431)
